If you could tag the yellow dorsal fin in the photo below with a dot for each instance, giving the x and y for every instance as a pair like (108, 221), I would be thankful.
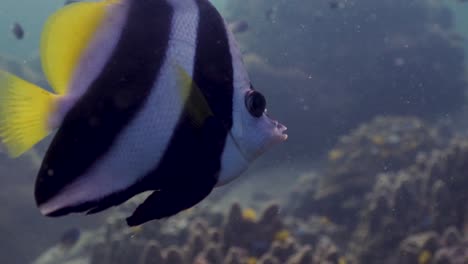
(66, 35)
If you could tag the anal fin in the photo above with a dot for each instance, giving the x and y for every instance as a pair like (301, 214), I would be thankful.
(170, 201)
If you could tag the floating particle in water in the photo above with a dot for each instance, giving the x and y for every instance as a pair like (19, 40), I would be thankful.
(333, 5)
(270, 14)
(336, 4)
(240, 26)
(17, 30)
(399, 61)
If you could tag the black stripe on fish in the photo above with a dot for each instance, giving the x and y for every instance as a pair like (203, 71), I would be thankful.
(91, 127)
(187, 173)
(213, 70)
(190, 167)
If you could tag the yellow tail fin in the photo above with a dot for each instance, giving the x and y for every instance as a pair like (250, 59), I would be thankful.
(24, 112)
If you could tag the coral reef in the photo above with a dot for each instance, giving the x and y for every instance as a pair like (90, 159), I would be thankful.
(449, 247)
(242, 237)
(383, 145)
(429, 195)
(397, 183)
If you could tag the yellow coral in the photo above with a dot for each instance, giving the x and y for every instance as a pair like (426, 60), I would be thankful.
(413, 145)
(325, 220)
(342, 260)
(252, 260)
(378, 140)
(335, 154)
(424, 257)
(385, 153)
(282, 235)
(136, 229)
(249, 214)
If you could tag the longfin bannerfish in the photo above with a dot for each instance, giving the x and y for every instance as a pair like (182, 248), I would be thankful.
(147, 96)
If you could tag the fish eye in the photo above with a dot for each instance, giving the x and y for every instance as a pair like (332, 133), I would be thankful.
(255, 103)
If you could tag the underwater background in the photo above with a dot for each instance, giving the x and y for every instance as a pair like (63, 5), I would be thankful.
(375, 170)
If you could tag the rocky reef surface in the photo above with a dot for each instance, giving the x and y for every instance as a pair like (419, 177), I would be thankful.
(385, 144)
(240, 236)
(406, 205)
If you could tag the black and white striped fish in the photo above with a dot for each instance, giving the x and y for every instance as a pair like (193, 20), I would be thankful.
(150, 95)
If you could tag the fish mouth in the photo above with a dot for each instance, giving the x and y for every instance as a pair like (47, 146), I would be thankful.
(279, 130)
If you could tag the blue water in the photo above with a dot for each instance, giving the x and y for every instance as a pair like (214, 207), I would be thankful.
(460, 20)
(460, 17)
(31, 15)
(311, 97)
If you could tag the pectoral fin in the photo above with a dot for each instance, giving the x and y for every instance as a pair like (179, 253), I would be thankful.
(197, 108)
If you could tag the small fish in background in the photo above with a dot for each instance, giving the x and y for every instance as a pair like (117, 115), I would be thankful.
(178, 122)
(71, 2)
(17, 30)
(70, 237)
(240, 26)
(335, 4)
(270, 14)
